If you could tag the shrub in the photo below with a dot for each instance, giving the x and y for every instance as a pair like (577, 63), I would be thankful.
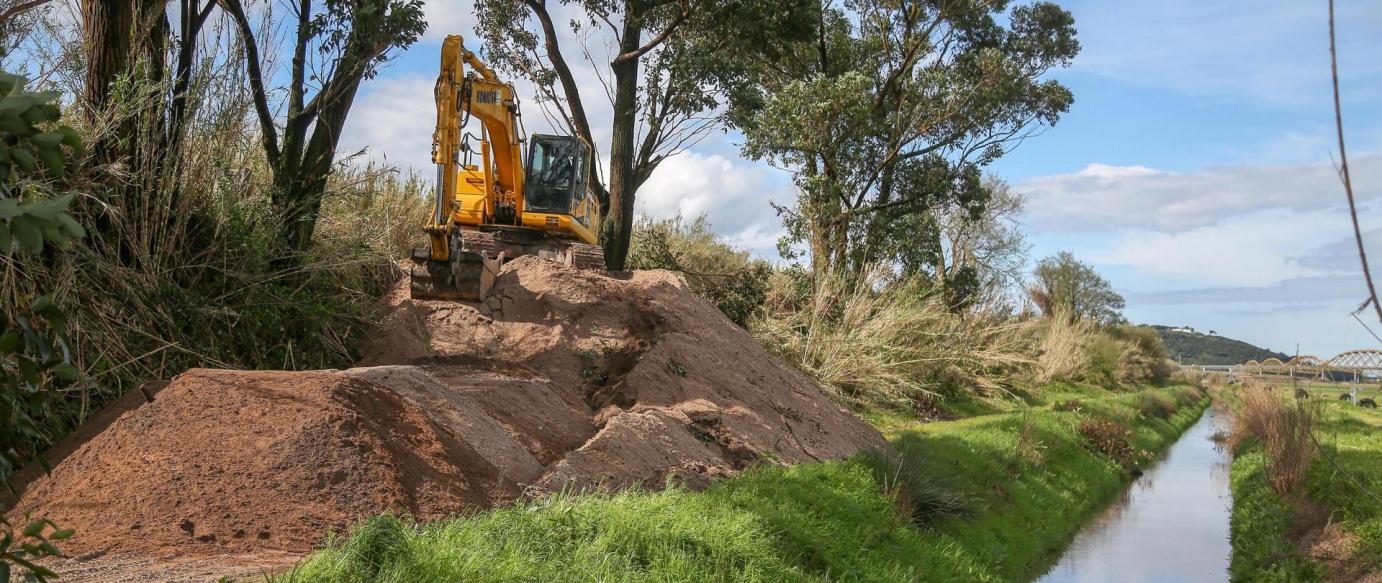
(35, 155)
(1155, 404)
(737, 284)
(1072, 405)
(919, 495)
(1283, 430)
(1060, 347)
(1109, 438)
(1104, 356)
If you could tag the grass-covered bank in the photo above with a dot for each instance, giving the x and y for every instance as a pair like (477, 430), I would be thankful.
(991, 498)
(1283, 537)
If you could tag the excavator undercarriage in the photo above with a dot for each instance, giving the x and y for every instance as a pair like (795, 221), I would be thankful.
(478, 253)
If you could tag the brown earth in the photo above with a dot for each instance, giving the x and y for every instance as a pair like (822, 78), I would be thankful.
(564, 379)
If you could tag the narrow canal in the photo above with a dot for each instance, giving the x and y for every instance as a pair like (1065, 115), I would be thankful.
(1171, 524)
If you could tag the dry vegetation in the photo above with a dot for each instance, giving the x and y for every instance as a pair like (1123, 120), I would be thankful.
(1282, 429)
(188, 273)
(879, 340)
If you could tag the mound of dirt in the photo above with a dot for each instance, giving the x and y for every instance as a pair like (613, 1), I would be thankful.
(563, 379)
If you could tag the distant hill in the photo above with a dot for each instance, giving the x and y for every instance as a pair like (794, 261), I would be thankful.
(1194, 347)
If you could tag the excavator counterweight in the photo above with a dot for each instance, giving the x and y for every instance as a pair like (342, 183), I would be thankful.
(510, 204)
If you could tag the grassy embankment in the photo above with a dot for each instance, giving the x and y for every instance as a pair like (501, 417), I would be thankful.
(988, 498)
(1266, 525)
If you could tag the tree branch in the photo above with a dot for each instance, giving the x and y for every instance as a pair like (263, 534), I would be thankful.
(1343, 167)
(657, 40)
(256, 77)
(20, 8)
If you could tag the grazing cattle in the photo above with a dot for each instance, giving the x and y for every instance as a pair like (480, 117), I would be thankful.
(1367, 403)
(1345, 397)
(1302, 394)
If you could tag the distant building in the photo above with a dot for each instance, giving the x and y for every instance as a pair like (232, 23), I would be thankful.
(1185, 329)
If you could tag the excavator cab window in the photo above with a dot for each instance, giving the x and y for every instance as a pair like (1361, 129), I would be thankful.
(556, 174)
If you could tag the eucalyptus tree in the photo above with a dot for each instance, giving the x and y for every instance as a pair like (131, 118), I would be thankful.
(893, 110)
(674, 64)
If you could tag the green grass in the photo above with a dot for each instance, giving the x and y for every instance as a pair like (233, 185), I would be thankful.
(1348, 487)
(812, 522)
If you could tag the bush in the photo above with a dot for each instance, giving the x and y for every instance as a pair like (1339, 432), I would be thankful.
(1072, 405)
(1283, 430)
(1153, 404)
(1110, 438)
(737, 284)
(920, 495)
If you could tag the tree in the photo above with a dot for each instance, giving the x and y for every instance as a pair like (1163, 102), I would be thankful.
(893, 110)
(333, 52)
(1065, 285)
(675, 63)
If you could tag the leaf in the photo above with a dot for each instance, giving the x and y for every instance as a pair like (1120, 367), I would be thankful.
(6, 240)
(35, 528)
(51, 208)
(9, 342)
(65, 371)
(63, 534)
(9, 208)
(24, 158)
(70, 226)
(29, 237)
(4, 572)
(53, 159)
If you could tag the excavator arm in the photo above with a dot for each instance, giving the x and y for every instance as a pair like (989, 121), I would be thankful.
(480, 95)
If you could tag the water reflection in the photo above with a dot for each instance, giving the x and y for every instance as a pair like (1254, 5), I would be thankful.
(1171, 524)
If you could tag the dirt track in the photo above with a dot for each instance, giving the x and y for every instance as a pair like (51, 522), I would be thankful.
(564, 379)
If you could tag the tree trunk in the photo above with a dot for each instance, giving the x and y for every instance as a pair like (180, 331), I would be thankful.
(301, 212)
(107, 27)
(618, 223)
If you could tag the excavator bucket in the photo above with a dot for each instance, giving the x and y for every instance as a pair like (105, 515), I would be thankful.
(468, 276)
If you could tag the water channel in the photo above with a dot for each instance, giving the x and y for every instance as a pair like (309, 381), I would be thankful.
(1170, 525)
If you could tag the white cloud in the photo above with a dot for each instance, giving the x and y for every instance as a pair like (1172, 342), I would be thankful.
(1102, 198)
(735, 195)
(1256, 249)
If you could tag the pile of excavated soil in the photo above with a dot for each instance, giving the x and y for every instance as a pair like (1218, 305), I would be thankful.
(563, 380)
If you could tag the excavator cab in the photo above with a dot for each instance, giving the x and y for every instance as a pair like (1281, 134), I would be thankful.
(556, 175)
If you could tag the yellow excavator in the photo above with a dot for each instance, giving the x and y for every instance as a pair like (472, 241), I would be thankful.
(508, 205)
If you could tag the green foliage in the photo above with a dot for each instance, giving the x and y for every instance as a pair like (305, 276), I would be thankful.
(890, 112)
(844, 520)
(729, 278)
(1154, 404)
(1196, 348)
(34, 355)
(1072, 287)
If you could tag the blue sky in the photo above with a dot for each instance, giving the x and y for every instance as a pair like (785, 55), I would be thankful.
(1194, 169)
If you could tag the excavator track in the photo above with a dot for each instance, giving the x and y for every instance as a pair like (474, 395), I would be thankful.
(477, 255)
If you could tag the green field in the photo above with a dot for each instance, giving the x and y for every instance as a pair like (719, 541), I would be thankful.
(1346, 479)
(974, 500)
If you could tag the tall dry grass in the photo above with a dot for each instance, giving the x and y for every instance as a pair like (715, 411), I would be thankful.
(180, 266)
(886, 343)
(1282, 429)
